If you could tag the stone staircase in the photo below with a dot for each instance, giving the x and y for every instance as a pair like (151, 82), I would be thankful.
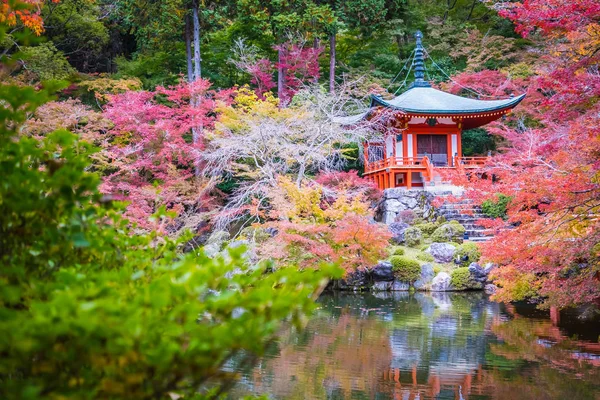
(467, 214)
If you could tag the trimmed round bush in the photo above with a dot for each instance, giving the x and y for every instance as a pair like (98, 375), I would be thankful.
(405, 269)
(460, 279)
(425, 257)
(413, 236)
(397, 251)
(449, 232)
(468, 253)
(427, 228)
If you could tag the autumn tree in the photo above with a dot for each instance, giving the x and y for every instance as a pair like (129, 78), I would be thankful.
(549, 167)
(256, 142)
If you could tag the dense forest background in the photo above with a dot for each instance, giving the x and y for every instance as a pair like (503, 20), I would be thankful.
(375, 38)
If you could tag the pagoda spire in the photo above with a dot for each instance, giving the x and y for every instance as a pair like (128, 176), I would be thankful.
(420, 63)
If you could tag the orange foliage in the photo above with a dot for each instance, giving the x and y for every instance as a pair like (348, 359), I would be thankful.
(27, 12)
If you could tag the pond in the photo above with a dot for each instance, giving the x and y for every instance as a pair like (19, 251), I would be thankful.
(430, 346)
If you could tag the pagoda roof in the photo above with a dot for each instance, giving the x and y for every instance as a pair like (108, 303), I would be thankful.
(421, 100)
(428, 101)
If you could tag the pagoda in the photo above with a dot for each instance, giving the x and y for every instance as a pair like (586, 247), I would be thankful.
(422, 130)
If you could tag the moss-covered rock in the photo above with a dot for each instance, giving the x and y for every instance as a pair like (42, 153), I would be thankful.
(449, 232)
(427, 228)
(397, 251)
(413, 236)
(461, 279)
(405, 269)
(468, 253)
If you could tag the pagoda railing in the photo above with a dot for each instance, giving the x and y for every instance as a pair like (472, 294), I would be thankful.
(422, 163)
(471, 162)
(406, 162)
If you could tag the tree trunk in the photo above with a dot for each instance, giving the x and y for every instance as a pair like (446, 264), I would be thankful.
(188, 49)
(332, 62)
(197, 58)
(195, 100)
(280, 75)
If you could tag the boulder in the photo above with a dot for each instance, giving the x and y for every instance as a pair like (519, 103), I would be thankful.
(394, 193)
(427, 275)
(388, 217)
(382, 272)
(490, 289)
(442, 252)
(441, 283)
(489, 267)
(355, 280)
(397, 229)
(398, 286)
(477, 272)
(408, 202)
(381, 286)
(393, 205)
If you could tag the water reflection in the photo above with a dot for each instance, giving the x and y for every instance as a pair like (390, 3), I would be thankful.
(424, 346)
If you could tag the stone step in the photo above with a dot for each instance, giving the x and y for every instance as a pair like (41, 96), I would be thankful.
(480, 238)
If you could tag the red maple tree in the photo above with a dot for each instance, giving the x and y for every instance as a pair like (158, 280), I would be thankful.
(550, 165)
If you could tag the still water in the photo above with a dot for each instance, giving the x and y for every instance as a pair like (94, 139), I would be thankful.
(430, 346)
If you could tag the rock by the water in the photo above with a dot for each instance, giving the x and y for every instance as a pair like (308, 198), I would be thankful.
(383, 272)
(442, 252)
(489, 267)
(397, 229)
(427, 275)
(490, 289)
(477, 273)
(441, 283)
(354, 280)
(398, 286)
(381, 286)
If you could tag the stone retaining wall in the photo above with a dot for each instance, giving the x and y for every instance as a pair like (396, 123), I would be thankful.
(397, 200)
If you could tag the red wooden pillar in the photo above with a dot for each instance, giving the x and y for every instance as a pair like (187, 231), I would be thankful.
(409, 179)
(449, 147)
(404, 143)
(459, 143)
(392, 179)
(414, 147)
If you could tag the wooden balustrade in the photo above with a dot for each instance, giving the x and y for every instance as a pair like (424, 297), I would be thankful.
(384, 171)
(472, 162)
(405, 162)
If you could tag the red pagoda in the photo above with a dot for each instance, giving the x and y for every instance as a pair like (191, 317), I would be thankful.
(422, 130)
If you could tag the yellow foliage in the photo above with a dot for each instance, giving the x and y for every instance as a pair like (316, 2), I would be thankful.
(247, 107)
(306, 203)
(103, 88)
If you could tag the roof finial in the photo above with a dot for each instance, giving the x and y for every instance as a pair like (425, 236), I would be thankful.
(420, 63)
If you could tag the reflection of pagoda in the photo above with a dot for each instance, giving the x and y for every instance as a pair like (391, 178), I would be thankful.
(431, 122)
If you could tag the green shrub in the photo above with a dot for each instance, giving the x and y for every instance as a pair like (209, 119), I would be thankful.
(413, 236)
(45, 62)
(496, 209)
(427, 228)
(440, 220)
(397, 251)
(460, 279)
(449, 232)
(405, 269)
(425, 257)
(93, 309)
(470, 251)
